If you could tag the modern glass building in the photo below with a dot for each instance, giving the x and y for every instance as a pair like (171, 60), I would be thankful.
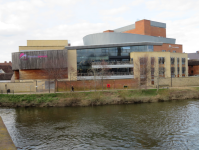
(85, 57)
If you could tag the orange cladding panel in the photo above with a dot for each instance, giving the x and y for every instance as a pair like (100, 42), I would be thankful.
(36, 74)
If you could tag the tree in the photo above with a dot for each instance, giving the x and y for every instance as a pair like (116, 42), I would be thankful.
(56, 69)
(100, 72)
(142, 68)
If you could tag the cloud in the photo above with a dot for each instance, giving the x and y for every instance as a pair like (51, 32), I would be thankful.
(115, 11)
(136, 2)
(21, 20)
(180, 5)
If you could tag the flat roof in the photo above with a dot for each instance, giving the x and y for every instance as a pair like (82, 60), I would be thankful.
(112, 45)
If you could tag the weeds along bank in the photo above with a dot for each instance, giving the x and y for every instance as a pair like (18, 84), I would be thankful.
(97, 98)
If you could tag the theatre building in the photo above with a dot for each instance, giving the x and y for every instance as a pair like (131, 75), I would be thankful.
(122, 49)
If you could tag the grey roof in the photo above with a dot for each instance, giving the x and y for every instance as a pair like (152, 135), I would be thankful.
(126, 28)
(117, 37)
(193, 56)
(132, 26)
(193, 62)
(158, 24)
(112, 45)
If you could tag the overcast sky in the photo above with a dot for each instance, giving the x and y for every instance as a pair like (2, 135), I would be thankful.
(22, 20)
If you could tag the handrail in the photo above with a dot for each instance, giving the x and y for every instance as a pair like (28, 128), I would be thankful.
(112, 63)
(105, 74)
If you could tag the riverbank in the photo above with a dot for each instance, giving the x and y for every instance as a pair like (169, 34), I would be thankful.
(98, 97)
(6, 141)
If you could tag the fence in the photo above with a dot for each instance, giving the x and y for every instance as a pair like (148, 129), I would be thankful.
(7, 92)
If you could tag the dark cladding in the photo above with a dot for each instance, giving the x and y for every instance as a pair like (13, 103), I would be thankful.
(37, 59)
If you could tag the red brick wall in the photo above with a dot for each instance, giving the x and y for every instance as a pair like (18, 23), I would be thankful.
(156, 31)
(195, 70)
(174, 47)
(144, 27)
(90, 84)
(139, 27)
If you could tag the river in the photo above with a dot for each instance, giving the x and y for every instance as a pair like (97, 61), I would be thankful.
(163, 125)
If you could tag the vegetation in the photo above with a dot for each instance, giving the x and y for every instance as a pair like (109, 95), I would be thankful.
(97, 98)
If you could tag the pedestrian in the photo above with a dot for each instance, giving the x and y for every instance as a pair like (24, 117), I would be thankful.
(72, 88)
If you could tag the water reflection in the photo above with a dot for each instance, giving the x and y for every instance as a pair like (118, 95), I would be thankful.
(169, 125)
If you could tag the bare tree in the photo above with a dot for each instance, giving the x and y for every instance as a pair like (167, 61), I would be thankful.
(100, 72)
(55, 70)
(103, 71)
(143, 69)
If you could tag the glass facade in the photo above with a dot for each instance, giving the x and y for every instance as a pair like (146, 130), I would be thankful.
(85, 57)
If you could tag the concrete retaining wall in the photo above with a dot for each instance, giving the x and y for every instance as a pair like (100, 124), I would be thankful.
(5, 139)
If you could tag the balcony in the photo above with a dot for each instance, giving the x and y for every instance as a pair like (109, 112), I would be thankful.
(109, 75)
(112, 64)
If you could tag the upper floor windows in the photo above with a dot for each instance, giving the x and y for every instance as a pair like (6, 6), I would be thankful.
(172, 60)
(161, 60)
(183, 61)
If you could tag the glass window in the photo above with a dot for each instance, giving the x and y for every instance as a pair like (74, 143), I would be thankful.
(125, 54)
(183, 61)
(163, 50)
(161, 71)
(183, 70)
(172, 60)
(150, 47)
(152, 60)
(98, 50)
(141, 48)
(172, 70)
(161, 60)
(178, 61)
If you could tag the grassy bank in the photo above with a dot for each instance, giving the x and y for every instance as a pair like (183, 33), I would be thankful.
(97, 98)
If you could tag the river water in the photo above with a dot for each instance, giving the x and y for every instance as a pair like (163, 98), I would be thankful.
(165, 125)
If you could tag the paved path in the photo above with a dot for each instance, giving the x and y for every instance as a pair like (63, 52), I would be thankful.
(6, 142)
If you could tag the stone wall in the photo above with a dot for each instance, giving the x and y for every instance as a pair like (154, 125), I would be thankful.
(178, 82)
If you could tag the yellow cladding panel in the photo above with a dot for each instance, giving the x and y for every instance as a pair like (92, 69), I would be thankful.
(72, 65)
(21, 48)
(47, 42)
(166, 55)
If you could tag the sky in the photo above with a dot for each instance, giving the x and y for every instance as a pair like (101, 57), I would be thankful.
(22, 20)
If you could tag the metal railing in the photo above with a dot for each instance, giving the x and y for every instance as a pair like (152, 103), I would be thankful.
(7, 92)
(105, 74)
(112, 63)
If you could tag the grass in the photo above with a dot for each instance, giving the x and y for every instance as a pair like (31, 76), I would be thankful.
(99, 97)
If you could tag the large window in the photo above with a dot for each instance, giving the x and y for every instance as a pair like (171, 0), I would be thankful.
(85, 57)
(172, 60)
(161, 60)
(183, 61)
(183, 70)
(173, 71)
